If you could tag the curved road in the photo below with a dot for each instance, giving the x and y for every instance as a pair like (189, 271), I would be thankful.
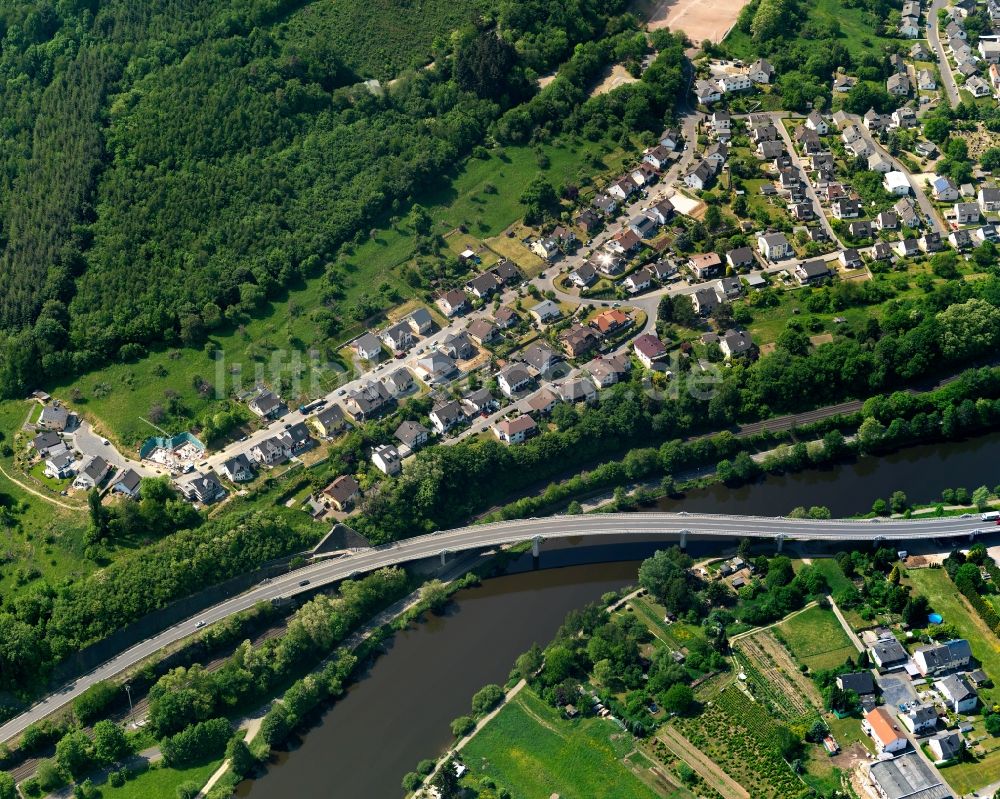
(487, 536)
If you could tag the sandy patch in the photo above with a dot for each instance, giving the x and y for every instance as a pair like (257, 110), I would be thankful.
(821, 338)
(545, 80)
(687, 206)
(699, 19)
(612, 79)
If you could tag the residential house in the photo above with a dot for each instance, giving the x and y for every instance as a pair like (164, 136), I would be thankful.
(740, 258)
(700, 175)
(882, 727)
(707, 92)
(60, 465)
(54, 416)
(584, 275)
(237, 469)
(545, 311)
(861, 682)
(735, 83)
(860, 148)
(927, 149)
(850, 259)
(774, 246)
(606, 204)
(957, 694)
(446, 415)
(577, 390)
(816, 122)
(203, 488)
(342, 493)
(920, 719)
(458, 346)
(46, 441)
(977, 87)
(986, 233)
(515, 431)
(638, 281)
(898, 85)
(663, 270)
(966, 213)
(398, 337)
(989, 199)
(705, 301)
(907, 777)
(888, 653)
(270, 451)
(606, 371)
(513, 379)
(368, 402)
(879, 163)
(482, 331)
(643, 226)
(721, 122)
(907, 211)
(926, 80)
(485, 285)
(453, 302)
(919, 52)
(420, 321)
(587, 220)
(960, 239)
(860, 229)
(625, 242)
(649, 349)
(662, 211)
(540, 357)
(386, 459)
(874, 121)
(542, 402)
(658, 156)
(706, 265)
(545, 248)
(670, 138)
(935, 659)
(945, 746)
(955, 31)
(846, 208)
(506, 317)
(479, 401)
(607, 263)
(129, 484)
(398, 382)
(761, 71)
(623, 188)
(411, 435)
(896, 183)
(887, 220)
(367, 346)
(91, 475)
(728, 288)
(909, 27)
(735, 344)
(843, 83)
(329, 421)
(578, 340)
(930, 242)
(644, 174)
(907, 248)
(436, 367)
(766, 150)
(989, 50)
(812, 272)
(881, 251)
(850, 133)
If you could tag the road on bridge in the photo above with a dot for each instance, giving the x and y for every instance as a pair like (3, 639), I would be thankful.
(488, 536)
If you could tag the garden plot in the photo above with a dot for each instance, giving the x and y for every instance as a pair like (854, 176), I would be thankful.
(774, 678)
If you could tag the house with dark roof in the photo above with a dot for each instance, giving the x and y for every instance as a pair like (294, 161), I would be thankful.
(369, 401)
(888, 653)
(329, 421)
(514, 431)
(91, 475)
(412, 435)
(342, 493)
(128, 484)
(203, 488)
(447, 415)
(54, 416)
(861, 682)
(237, 469)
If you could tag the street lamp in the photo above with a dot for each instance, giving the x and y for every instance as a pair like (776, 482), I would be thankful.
(128, 691)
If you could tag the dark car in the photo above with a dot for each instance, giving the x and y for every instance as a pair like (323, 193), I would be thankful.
(304, 582)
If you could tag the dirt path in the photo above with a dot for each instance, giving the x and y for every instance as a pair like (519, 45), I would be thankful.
(707, 769)
(38, 494)
(847, 627)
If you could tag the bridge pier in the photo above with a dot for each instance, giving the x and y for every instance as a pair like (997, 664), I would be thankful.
(684, 539)
(536, 546)
(972, 535)
(444, 557)
(780, 541)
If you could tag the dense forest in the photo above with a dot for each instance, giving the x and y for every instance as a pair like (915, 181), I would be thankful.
(170, 165)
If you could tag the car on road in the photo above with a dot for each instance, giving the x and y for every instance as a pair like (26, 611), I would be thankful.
(303, 582)
(200, 624)
(105, 442)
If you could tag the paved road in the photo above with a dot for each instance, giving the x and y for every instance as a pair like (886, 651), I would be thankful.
(489, 536)
(934, 38)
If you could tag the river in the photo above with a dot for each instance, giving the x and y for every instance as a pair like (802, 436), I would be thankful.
(400, 712)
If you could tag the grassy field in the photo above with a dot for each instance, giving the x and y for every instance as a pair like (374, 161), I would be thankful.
(835, 577)
(40, 538)
(816, 638)
(945, 599)
(160, 783)
(677, 635)
(118, 398)
(532, 752)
